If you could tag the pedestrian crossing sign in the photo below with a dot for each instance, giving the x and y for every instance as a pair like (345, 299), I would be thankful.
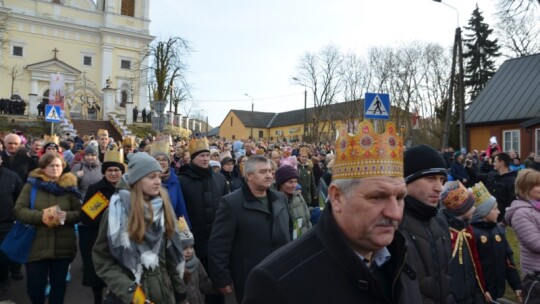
(52, 113)
(377, 106)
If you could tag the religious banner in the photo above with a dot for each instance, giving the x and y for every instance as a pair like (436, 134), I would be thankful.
(56, 91)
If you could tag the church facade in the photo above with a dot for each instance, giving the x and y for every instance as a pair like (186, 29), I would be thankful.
(92, 44)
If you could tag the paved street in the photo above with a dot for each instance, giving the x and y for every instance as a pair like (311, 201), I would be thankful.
(76, 293)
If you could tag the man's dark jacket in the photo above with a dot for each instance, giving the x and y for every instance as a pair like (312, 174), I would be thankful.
(19, 163)
(428, 240)
(502, 187)
(321, 267)
(244, 233)
(10, 188)
(202, 189)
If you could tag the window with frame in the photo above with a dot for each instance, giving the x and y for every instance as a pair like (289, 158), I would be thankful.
(18, 51)
(128, 8)
(125, 64)
(511, 141)
(87, 60)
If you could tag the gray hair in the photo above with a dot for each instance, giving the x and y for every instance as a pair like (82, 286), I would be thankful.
(346, 185)
(249, 167)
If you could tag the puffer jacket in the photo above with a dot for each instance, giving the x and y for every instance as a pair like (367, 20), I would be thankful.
(92, 175)
(58, 242)
(525, 219)
(300, 215)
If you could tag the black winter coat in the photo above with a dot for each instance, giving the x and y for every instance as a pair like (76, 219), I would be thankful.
(244, 233)
(20, 163)
(10, 188)
(202, 190)
(234, 180)
(428, 240)
(496, 258)
(321, 267)
(88, 233)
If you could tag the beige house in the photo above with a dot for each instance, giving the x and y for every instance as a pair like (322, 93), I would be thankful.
(86, 42)
(239, 124)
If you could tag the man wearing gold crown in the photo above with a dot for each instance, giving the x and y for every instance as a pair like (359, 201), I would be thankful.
(355, 254)
(103, 141)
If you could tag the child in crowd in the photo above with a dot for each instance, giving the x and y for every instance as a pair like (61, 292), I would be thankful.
(467, 283)
(197, 281)
(494, 252)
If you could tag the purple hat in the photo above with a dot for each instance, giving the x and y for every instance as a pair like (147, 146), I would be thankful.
(285, 173)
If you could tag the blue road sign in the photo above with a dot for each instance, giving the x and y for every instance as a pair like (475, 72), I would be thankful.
(52, 113)
(377, 106)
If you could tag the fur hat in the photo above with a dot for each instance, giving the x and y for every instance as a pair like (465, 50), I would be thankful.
(140, 165)
(456, 198)
(421, 161)
(285, 173)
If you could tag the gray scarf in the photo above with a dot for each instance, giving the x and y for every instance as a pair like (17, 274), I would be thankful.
(134, 256)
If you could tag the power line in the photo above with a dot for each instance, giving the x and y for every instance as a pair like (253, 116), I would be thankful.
(236, 100)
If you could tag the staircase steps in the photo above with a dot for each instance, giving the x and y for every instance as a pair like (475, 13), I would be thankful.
(91, 127)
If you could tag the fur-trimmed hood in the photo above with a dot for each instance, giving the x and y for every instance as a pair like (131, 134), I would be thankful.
(66, 180)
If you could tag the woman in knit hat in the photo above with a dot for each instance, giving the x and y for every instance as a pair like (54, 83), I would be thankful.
(286, 179)
(138, 252)
(494, 252)
(467, 279)
(88, 171)
(95, 203)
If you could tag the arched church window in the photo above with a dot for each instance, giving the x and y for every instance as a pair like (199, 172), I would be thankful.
(128, 8)
(124, 98)
(45, 97)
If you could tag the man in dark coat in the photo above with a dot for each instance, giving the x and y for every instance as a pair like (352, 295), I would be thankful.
(135, 114)
(15, 157)
(202, 189)
(10, 188)
(250, 224)
(143, 114)
(424, 228)
(355, 253)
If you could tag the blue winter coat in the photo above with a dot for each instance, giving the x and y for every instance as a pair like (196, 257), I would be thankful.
(175, 194)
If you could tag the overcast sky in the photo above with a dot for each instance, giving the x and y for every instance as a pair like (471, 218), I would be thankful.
(254, 47)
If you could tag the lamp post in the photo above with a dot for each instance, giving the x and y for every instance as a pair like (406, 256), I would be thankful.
(305, 109)
(251, 114)
(457, 55)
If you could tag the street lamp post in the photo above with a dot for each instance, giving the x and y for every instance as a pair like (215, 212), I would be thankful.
(457, 56)
(251, 114)
(305, 109)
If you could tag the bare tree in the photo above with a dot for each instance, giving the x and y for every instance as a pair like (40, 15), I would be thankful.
(320, 73)
(14, 74)
(519, 29)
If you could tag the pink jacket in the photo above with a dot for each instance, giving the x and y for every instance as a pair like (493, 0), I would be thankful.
(525, 219)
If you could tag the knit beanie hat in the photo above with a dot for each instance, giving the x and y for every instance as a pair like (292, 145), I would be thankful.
(285, 173)
(90, 150)
(421, 161)
(140, 165)
(215, 163)
(483, 201)
(186, 237)
(226, 160)
(456, 198)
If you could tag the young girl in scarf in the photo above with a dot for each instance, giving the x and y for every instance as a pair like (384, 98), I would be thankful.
(138, 252)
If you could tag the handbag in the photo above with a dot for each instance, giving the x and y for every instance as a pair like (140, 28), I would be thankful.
(18, 242)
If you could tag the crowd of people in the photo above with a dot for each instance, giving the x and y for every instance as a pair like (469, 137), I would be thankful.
(170, 220)
(12, 106)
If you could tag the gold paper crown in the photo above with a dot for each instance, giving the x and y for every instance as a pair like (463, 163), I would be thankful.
(160, 147)
(481, 193)
(198, 144)
(114, 154)
(456, 195)
(129, 141)
(51, 139)
(103, 132)
(367, 153)
(182, 224)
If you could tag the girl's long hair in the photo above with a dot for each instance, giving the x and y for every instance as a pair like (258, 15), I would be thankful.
(137, 221)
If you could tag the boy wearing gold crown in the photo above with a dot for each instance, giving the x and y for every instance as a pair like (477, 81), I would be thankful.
(495, 254)
(354, 254)
(468, 285)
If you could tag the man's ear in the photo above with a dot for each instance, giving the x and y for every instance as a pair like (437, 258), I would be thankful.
(336, 197)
